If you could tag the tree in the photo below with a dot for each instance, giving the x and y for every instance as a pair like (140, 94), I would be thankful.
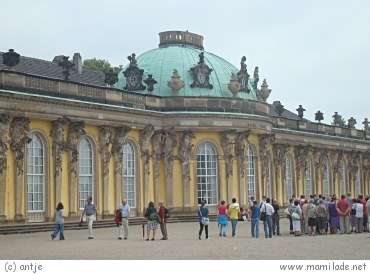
(100, 64)
(341, 122)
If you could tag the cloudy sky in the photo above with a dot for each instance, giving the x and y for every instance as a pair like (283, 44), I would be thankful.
(313, 53)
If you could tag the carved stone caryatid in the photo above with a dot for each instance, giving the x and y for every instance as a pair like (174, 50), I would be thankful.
(256, 77)
(243, 76)
(240, 150)
(264, 142)
(319, 155)
(300, 154)
(59, 143)
(170, 142)
(353, 157)
(175, 84)
(337, 156)
(366, 164)
(19, 138)
(144, 140)
(184, 153)
(228, 138)
(105, 140)
(117, 147)
(158, 141)
(5, 120)
(75, 131)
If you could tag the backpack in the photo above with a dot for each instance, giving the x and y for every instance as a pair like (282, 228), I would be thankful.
(118, 217)
(167, 212)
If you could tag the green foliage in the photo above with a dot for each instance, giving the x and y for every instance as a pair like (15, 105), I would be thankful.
(341, 122)
(100, 64)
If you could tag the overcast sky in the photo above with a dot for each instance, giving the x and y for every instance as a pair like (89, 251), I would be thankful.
(313, 53)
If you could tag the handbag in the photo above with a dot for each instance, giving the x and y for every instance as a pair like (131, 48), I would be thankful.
(296, 216)
(203, 220)
(353, 211)
(263, 215)
(286, 211)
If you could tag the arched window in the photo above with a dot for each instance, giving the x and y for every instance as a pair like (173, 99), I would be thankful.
(268, 179)
(251, 172)
(326, 179)
(358, 180)
(129, 174)
(343, 188)
(35, 175)
(308, 177)
(85, 160)
(288, 175)
(207, 173)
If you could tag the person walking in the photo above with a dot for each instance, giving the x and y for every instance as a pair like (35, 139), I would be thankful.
(90, 211)
(234, 210)
(125, 213)
(255, 219)
(222, 219)
(163, 224)
(152, 217)
(203, 213)
(59, 221)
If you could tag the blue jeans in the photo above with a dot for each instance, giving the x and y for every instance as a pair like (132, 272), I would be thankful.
(233, 226)
(59, 229)
(267, 226)
(255, 227)
(276, 224)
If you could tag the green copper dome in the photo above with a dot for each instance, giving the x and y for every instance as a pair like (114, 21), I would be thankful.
(182, 56)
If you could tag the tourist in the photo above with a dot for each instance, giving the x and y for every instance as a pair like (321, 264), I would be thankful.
(59, 221)
(163, 224)
(344, 210)
(125, 212)
(152, 220)
(234, 210)
(90, 211)
(203, 213)
(255, 219)
(222, 218)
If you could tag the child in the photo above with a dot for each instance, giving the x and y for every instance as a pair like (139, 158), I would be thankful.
(59, 220)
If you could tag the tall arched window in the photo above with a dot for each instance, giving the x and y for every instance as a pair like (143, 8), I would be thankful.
(207, 173)
(251, 172)
(358, 180)
(326, 179)
(85, 160)
(308, 177)
(288, 175)
(35, 175)
(129, 174)
(268, 179)
(343, 186)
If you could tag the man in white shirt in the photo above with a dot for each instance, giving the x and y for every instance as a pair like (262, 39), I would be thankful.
(267, 223)
(125, 212)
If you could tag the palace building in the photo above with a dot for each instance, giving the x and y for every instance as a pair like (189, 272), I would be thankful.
(177, 124)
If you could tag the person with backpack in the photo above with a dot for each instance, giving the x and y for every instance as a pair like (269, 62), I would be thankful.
(163, 216)
(152, 217)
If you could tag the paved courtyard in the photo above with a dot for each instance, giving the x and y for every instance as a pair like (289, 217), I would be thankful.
(183, 244)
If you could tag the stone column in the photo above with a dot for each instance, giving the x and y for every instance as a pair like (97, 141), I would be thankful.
(75, 131)
(5, 120)
(19, 130)
(59, 145)
(105, 140)
(157, 141)
(170, 143)
(119, 141)
(228, 138)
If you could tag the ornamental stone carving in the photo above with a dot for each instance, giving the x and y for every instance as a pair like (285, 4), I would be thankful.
(175, 84)
(201, 73)
(184, 153)
(59, 143)
(158, 141)
(75, 131)
(243, 76)
(300, 154)
(19, 138)
(337, 157)
(105, 140)
(228, 138)
(353, 158)
(133, 75)
(170, 142)
(280, 151)
(5, 120)
(263, 93)
(234, 85)
(144, 141)
(240, 149)
(117, 146)
(264, 142)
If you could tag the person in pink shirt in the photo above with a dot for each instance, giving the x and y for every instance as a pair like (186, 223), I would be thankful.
(343, 209)
(222, 219)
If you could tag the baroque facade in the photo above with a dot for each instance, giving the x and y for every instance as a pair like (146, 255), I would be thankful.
(177, 124)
